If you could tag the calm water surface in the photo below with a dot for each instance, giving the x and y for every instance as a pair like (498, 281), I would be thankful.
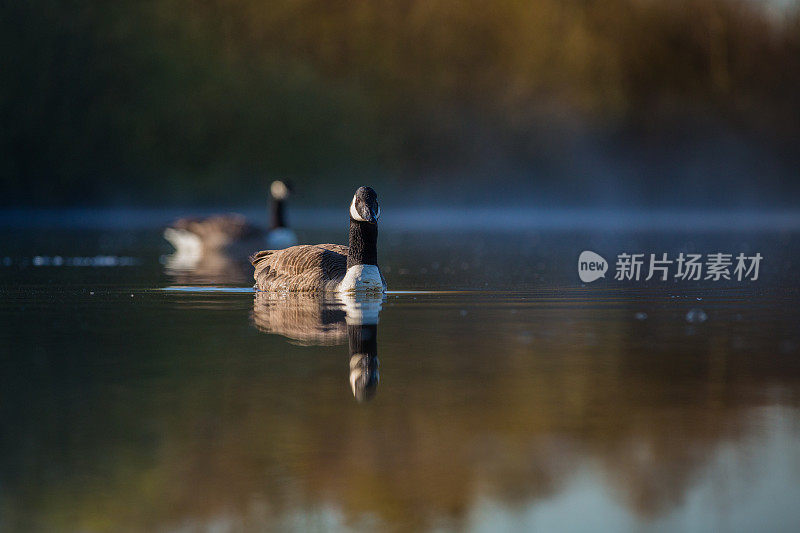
(490, 391)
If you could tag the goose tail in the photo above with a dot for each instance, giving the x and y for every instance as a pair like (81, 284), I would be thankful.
(259, 257)
(260, 260)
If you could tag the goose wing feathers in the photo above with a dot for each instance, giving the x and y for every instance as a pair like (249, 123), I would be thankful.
(306, 268)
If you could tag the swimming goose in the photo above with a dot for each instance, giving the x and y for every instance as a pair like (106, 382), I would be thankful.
(280, 236)
(328, 267)
(220, 233)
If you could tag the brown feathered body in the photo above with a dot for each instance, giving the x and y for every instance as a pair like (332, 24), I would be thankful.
(305, 268)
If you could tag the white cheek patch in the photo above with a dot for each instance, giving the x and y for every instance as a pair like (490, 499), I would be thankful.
(354, 214)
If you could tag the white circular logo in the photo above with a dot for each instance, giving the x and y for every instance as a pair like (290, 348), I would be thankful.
(591, 266)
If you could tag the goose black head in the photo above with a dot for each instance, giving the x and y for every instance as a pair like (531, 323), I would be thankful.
(280, 189)
(364, 207)
(364, 376)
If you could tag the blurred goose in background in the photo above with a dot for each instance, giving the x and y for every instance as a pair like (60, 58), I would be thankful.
(232, 233)
(316, 319)
(280, 235)
(328, 267)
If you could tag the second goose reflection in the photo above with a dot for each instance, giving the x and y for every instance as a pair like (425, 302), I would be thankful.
(328, 319)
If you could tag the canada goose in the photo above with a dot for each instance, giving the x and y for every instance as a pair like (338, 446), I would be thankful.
(328, 267)
(224, 233)
(328, 319)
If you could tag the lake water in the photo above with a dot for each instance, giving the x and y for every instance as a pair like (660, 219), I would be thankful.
(490, 390)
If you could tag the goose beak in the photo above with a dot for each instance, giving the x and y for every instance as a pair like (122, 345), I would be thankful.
(374, 214)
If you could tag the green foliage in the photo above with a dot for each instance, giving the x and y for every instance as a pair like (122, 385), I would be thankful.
(182, 100)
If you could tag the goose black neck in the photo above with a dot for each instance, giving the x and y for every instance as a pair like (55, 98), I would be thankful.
(277, 218)
(363, 244)
(363, 339)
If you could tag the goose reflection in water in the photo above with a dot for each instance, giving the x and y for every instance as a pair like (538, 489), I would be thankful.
(325, 320)
(363, 343)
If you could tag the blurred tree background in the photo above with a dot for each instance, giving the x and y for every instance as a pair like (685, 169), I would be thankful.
(197, 101)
